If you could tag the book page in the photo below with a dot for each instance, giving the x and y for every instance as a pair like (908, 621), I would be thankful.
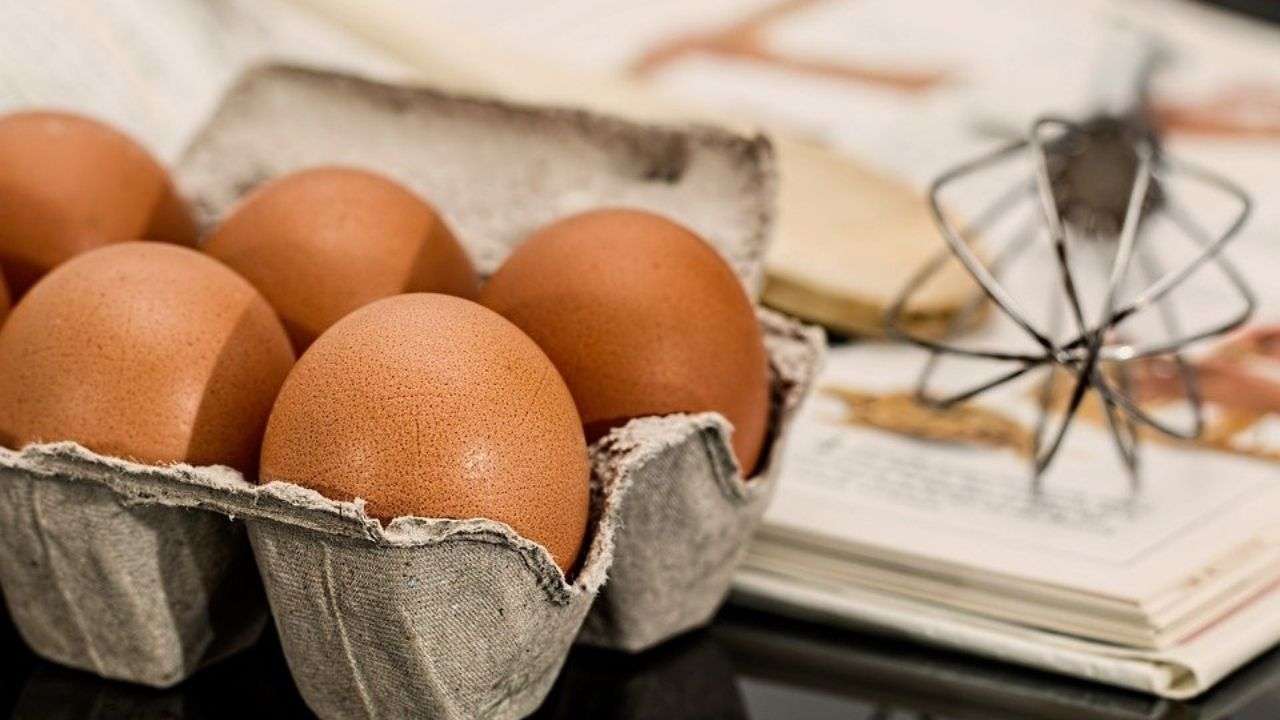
(881, 494)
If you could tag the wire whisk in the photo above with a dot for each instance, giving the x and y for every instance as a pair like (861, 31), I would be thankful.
(1098, 182)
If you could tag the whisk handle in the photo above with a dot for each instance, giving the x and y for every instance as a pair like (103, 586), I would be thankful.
(1129, 58)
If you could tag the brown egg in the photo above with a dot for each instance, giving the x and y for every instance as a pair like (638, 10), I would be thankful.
(641, 317)
(146, 351)
(322, 242)
(4, 299)
(70, 184)
(433, 406)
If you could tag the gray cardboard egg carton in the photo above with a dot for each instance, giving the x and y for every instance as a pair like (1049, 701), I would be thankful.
(146, 573)
(687, 513)
(117, 568)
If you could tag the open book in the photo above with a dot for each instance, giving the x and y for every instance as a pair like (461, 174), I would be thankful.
(1150, 571)
(1164, 589)
(927, 521)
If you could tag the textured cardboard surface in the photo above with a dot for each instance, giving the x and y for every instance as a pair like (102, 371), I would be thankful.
(126, 590)
(687, 512)
(496, 171)
(135, 572)
(457, 618)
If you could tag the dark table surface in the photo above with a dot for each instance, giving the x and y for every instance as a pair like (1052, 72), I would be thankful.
(746, 665)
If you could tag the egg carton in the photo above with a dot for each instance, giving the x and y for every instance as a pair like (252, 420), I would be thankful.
(134, 572)
(688, 513)
(121, 569)
(537, 165)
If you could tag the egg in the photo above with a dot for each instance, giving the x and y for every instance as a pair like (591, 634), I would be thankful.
(322, 242)
(70, 184)
(4, 299)
(433, 406)
(146, 351)
(641, 317)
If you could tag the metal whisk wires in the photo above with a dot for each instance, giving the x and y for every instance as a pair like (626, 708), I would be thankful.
(1103, 180)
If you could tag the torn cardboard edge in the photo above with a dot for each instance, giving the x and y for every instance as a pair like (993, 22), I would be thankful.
(794, 351)
(106, 564)
(225, 491)
(688, 512)
(279, 514)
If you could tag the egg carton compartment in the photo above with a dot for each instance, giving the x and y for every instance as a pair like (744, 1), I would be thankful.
(687, 513)
(103, 570)
(114, 585)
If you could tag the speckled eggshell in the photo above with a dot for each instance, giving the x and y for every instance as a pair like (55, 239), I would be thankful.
(641, 317)
(146, 351)
(322, 242)
(70, 184)
(433, 406)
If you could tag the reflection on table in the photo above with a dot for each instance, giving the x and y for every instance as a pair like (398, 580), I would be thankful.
(747, 665)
